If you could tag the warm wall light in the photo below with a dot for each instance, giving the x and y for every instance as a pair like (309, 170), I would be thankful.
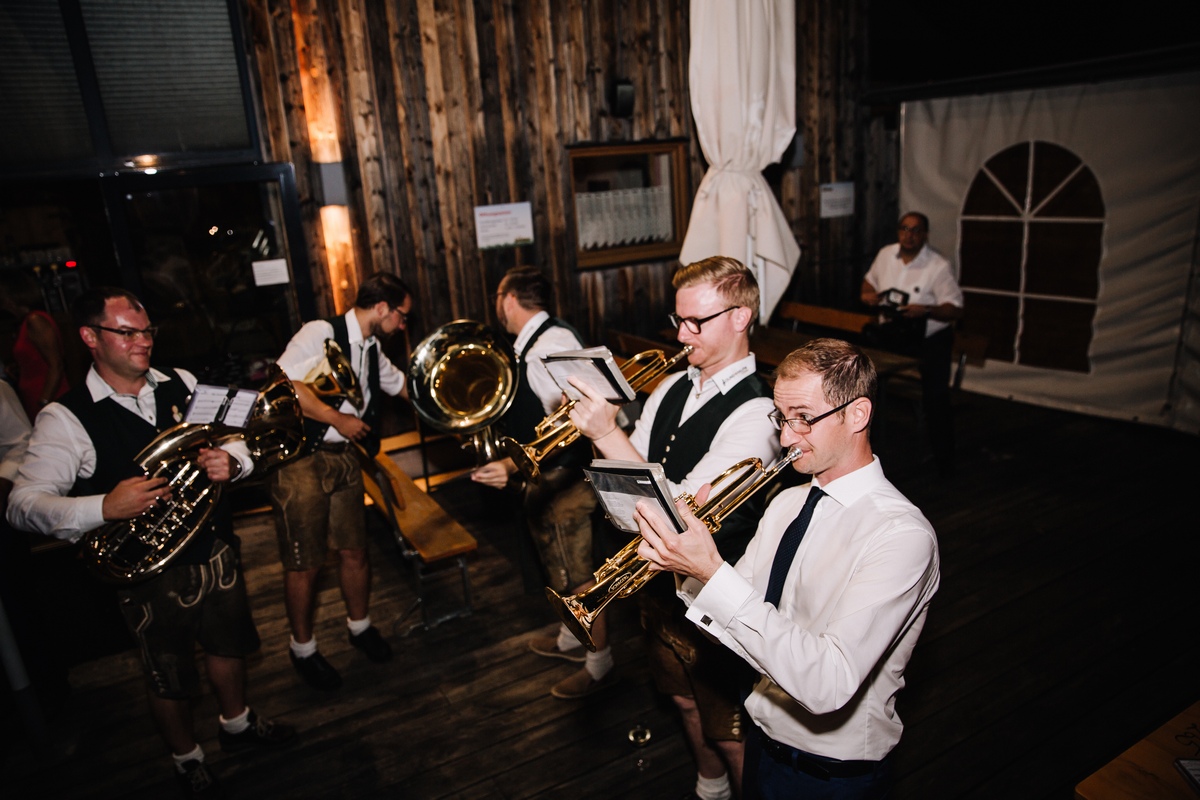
(327, 153)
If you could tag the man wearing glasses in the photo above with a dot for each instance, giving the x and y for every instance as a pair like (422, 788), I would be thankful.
(317, 499)
(79, 473)
(697, 424)
(830, 597)
(934, 302)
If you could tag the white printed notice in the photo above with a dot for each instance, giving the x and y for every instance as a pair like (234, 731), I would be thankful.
(270, 272)
(504, 225)
(837, 200)
(224, 404)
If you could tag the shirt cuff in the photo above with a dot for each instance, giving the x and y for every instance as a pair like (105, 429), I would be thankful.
(715, 606)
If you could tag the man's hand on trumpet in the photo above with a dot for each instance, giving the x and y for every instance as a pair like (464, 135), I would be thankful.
(692, 553)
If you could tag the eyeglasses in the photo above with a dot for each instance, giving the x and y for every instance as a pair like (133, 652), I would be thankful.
(911, 229)
(803, 424)
(403, 316)
(692, 323)
(129, 334)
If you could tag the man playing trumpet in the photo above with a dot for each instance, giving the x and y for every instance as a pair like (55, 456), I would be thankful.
(696, 424)
(558, 509)
(830, 596)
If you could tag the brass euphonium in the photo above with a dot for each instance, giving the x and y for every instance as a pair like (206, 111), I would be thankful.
(130, 550)
(557, 430)
(627, 572)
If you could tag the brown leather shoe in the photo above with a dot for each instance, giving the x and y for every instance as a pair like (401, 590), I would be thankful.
(548, 646)
(581, 684)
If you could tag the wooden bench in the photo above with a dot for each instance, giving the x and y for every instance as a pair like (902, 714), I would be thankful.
(427, 536)
(827, 319)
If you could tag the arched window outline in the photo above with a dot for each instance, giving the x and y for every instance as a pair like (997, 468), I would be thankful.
(1055, 198)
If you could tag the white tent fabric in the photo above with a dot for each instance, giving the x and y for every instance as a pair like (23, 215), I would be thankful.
(1140, 138)
(743, 86)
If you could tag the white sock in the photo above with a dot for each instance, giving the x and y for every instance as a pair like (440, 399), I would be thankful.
(714, 788)
(197, 754)
(567, 640)
(599, 663)
(304, 650)
(238, 723)
(357, 626)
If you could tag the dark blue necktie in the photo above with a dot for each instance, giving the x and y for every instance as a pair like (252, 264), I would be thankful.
(788, 546)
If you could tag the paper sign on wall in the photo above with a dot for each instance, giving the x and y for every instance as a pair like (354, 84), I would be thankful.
(503, 225)
(837, 200)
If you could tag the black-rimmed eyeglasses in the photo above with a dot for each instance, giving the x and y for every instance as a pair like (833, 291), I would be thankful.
(129, 334)
(803, 424)
(692, 323)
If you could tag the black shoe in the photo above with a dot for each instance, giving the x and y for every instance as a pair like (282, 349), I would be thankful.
(197, 781)
(317, 672)
(372, 643)
(261, 733)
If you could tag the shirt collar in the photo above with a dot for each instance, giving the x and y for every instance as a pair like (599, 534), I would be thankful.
(99, 389)
(528, 329)
(727, 378)
(353, 332)
(847, 489)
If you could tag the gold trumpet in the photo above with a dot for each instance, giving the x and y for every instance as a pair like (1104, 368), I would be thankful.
(627, 572)
(557, 430)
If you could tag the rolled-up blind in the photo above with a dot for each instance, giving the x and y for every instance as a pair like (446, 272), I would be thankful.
(167, 71)
(41, 112)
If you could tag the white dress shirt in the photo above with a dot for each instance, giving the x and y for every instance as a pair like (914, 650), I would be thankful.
(14, 431)
(928, 280)
(832, 656)
(554, 340)
(743, 434)
(306, 350)
(61, 451)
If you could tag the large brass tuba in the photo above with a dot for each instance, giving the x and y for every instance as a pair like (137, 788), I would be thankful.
(627, 572)
(461, 380)
(130, 550)
(557, 430)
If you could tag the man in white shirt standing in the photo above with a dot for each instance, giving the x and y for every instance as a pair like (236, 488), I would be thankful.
(934, 297)
(557, 509)
(830, 597)
(697, 424)
(317, 499)
(80, 472)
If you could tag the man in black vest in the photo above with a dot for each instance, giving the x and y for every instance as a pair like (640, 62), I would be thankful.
(80, 473)
(318, 498)
(697, 424)
(558, 508)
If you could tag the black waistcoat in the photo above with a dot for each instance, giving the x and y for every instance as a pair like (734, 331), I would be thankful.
(118, 435)
(679, 447)
(315, 431)
(522, 418)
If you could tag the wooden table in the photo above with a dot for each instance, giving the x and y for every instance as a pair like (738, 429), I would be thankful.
(1148, 768)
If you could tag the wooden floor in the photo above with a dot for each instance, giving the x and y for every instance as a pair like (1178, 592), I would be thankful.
(1065, 630)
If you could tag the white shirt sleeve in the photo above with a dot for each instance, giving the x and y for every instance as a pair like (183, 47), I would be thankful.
(59, 451)
(554, 340)
(14, 431)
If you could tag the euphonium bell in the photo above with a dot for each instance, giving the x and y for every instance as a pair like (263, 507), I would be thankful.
(627, 572)
(558, 431)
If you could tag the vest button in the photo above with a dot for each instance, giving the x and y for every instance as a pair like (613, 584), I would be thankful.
(672, 437)
(668, 449)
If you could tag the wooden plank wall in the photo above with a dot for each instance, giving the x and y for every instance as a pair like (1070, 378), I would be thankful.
(444, 105)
